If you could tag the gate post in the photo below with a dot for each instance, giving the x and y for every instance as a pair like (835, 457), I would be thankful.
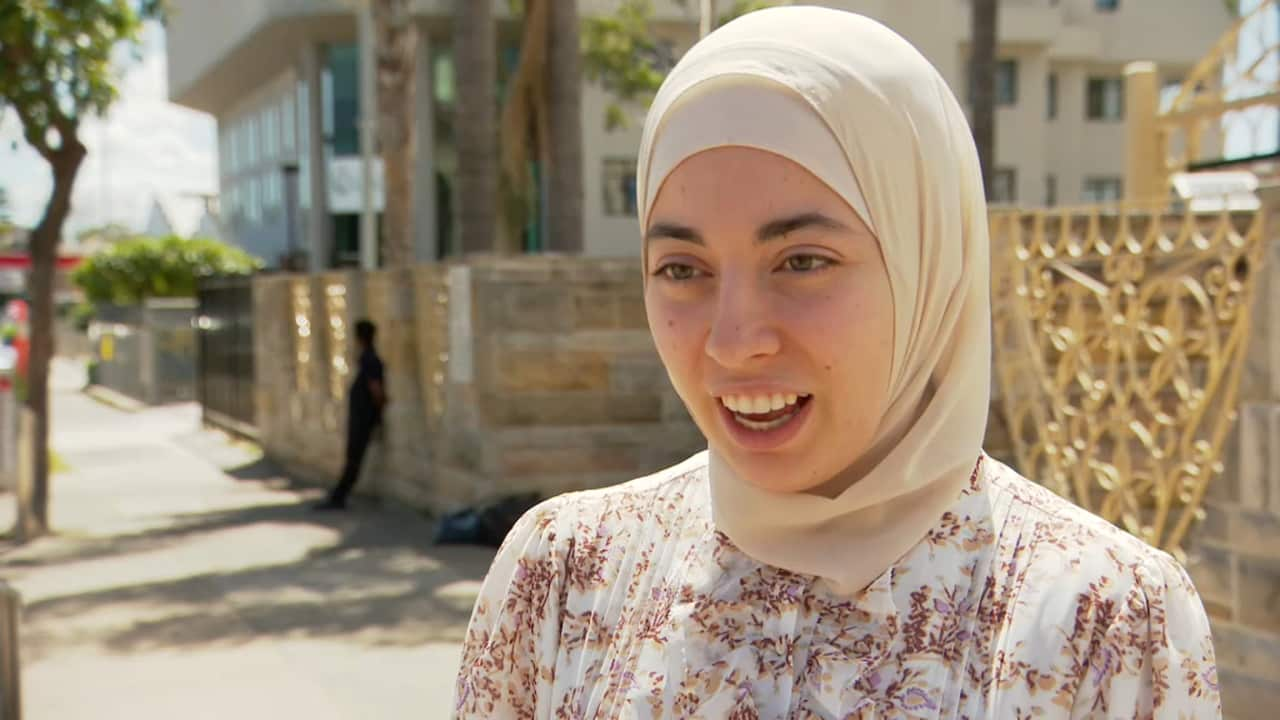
(10, 666)
(1144, 153)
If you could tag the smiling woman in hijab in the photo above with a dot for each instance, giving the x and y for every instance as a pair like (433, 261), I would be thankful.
(815, 252)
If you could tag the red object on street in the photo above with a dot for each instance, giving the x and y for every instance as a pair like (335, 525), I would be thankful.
(16, 311)
(23, 345)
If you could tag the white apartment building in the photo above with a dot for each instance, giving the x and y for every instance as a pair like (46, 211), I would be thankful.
(281, 78)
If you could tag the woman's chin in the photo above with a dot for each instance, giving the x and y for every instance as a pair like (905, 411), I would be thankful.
(773, 472)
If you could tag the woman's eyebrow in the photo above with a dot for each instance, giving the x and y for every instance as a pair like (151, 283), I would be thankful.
(778, 228)
(771, 230)
(672, 231)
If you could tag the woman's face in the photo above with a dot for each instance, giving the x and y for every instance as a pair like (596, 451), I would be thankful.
(770, 305)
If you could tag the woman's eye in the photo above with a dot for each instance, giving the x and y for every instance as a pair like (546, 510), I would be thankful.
(678, 272)
(805, 263)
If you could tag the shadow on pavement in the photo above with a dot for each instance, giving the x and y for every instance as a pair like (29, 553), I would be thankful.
(382, 583)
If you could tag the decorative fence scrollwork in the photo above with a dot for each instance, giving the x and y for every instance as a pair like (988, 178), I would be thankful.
(1121, 335)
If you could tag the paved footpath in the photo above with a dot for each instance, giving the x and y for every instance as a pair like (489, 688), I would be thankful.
(188, 579)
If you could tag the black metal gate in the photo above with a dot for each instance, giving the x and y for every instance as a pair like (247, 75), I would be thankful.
(224, 382)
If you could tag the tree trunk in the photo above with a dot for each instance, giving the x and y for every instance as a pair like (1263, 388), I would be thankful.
(396, 46)
(982, 76)
(65, 163)
(475, 57)
(564, 171)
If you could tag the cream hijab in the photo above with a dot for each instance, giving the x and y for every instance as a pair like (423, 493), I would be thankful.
(859, 107)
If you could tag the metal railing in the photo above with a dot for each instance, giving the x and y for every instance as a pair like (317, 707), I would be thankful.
(224, 352)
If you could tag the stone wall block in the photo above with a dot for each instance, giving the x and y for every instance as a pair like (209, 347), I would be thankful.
(1259, 593)
(541, 372)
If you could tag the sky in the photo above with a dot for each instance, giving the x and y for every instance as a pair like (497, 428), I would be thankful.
(145, 148)
(1255, 131)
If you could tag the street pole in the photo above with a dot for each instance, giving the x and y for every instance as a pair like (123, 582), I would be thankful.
(707, 18)
(368, 128)
(10, 657)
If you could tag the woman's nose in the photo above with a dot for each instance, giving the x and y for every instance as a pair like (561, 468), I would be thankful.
(743, 328)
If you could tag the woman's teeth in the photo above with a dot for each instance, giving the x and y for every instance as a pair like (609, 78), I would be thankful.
(781, 407)
(759, 404)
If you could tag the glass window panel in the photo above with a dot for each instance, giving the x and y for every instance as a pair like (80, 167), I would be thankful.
(620, 187)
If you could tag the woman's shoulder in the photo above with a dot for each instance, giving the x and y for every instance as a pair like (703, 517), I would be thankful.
(1055, 555)
(1117, 607)
(1048, 522)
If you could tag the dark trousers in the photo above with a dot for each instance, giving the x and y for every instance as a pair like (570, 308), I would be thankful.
(359, 434)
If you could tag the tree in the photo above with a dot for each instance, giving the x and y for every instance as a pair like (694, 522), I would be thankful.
(525, 134)
(564, 105)
(476, 56)
(56, 60)
(5, 218)
(146, 267)
(982, 69)
(623, 54)
(396, 49)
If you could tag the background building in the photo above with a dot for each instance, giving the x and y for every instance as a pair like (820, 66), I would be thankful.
(281, 77)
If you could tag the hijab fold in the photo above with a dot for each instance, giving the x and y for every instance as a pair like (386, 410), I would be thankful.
(863, 111)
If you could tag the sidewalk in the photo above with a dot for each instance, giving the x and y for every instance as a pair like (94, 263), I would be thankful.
(186, 579)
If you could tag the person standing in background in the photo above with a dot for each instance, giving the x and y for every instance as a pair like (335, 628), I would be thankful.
(366, 400)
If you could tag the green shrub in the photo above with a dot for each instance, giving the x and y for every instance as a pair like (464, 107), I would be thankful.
(82, 314)
(134, 270)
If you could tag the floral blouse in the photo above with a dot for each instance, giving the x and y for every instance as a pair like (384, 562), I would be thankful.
(625, 602)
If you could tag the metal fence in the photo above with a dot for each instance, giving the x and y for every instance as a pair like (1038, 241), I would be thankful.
(224, 375)
(146, 351)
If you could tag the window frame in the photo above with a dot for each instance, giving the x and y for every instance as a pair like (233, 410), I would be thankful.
(609, 174)
(1101, 81)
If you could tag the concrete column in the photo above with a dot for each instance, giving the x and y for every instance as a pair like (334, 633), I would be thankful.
(426, 243)
(319, 235)
(1144, 159)
(368, 137)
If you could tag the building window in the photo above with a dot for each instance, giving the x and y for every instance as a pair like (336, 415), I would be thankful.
(253, 203)
(1051, 93)
(287, 124)
(1106, 5)
(1004, 186)
(233, 147)
(230, 207)
(1105, 99)
(1103, 189)
(344, 98)
(252, 147)
(1006, 87)
(270, 196)
(1007, 82)
(1050, 190)
(270, 133)
(224, 154)
(620, 187)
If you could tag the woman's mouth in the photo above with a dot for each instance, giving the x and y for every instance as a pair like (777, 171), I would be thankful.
(764, 422)
(764, 412)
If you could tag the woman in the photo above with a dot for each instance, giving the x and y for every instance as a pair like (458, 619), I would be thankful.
(815, 250)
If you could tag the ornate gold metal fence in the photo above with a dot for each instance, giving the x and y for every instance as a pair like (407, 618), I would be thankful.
(1121, 336)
